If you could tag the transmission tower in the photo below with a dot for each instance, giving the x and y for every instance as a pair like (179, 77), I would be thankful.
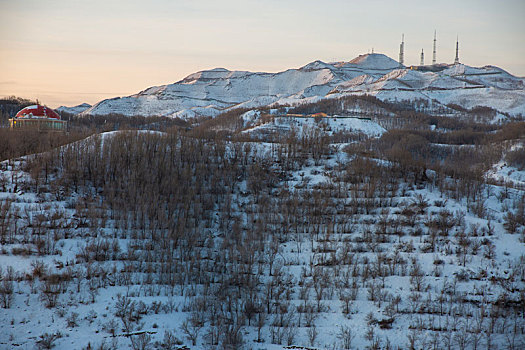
(456, 60)
(434, 52)
(402, 50)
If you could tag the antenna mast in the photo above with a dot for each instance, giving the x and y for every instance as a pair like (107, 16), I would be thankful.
(456, 60)
(401, 50)
(434, 52)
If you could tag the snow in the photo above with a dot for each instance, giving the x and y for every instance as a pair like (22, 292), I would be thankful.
(374, 74)
(28, 318)
(207, 93)
(74, 110)
(327, 125)
(374, 61)
(317, 65)
(507, 174)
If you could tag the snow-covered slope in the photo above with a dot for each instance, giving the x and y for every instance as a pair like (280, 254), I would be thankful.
(74, 110)
(358, 250)
(308, 125)
(503, 172)
(207, 93)
(373, 61)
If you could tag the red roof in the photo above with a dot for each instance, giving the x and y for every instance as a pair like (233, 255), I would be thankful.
(37, 111)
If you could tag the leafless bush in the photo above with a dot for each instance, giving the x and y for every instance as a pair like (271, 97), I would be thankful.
(191, 328)
(345, 336)
(141, 341)
(6, 292)
(169, 341)
(72, 320)
(47, 340)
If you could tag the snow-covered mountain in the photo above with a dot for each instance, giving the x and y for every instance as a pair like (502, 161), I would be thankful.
(74, 110)
(209, 92)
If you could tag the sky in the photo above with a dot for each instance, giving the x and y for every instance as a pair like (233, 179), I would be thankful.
(66, 52)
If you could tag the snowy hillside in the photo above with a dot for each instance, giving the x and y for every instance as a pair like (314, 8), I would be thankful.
(209, 92)
(74, 110)
(303, 125)
(152, 240)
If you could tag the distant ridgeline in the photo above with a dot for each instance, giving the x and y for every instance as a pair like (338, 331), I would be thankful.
(212, 92)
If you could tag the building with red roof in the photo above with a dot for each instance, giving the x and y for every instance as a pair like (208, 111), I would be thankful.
(38, 117)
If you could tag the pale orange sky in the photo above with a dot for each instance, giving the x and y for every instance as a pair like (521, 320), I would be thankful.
(65, 52)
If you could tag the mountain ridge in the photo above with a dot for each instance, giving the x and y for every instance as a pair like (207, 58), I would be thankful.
(210, 92)
(75, 109)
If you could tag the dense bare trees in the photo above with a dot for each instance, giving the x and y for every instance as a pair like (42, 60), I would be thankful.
(268, 239)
